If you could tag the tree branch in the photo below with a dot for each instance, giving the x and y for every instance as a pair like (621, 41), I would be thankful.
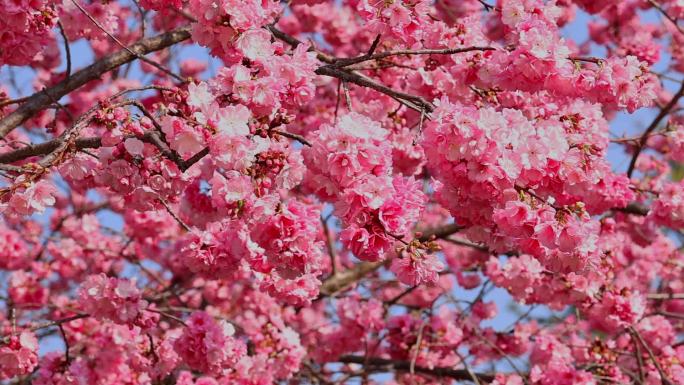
(667, 15)
(644, 137)
(634, 208)
(42, 99)
(343, 279)
(664, 296)
(48, 324)
(456, 374)
(447, 51)
(412, 101)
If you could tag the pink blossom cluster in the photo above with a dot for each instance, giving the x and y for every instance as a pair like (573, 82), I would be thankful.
(118, 300)
(405, 192)
(221, 23)
(542, 60)
(266, 79)
(399, 20)
(19, 355)
(207, 345)
(668, 208)
(15, 252)
(350, 164)
(219, 251)
(28, 197)
(26, 30)
(292, 257)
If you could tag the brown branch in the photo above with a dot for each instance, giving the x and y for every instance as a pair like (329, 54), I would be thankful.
(294, 42)
(343, 279)
(292, 136)
(67, 49)
(58, 322)
(440, 232)
(344, 62)
(329, 243)
(173, 214)
(117, 41)
(405, 366)
(633, 208)
(67, 358)
(399, 296)
(45, 148)
(663, 377)
(661, 296)
(595, 60)
(7, 102)
(41, 100)
(412, 101)
(412, 364)
(667, 15)
(644, 137)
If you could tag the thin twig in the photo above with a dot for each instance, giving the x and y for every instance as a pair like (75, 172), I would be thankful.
(66, 48)
(644, 137)
(667, 16)
(292, 136)
(13, 101)
(405, 366)
(167, 315)
(640, 360)
(142, 18)
(6, 338)
(337, 104)
(399, 296)
(173, 214)
(475, 379)
(412, 366)
(329, 245)
(663, 377)
(66, 344)
(347, 97)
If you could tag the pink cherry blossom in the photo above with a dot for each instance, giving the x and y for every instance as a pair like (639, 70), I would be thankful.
(116, 299)
(208, 345)
(19, 356)
(256, 192)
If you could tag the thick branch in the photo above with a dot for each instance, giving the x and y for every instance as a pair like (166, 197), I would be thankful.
(456, 374)
(383, 55)
(46, 148)
(415, 102)
(634, 208)
(41, 100)
(665, 296)
(345, 278)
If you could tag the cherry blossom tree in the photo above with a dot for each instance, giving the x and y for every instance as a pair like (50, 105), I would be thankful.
(352, 191)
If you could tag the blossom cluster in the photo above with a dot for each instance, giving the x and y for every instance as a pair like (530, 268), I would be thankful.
(26, 27)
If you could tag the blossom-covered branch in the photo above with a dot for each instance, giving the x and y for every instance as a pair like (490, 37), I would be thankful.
(407, 192)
